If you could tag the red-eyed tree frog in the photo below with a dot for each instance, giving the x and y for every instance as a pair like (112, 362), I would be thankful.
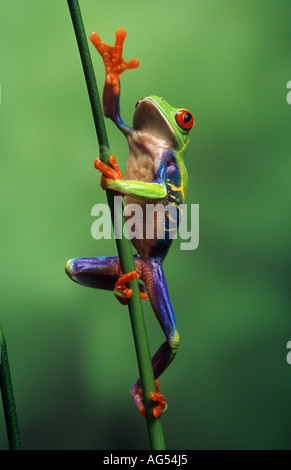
(155, 173)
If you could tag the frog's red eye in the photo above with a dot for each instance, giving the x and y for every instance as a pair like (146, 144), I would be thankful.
(185, 119)
(137, 103)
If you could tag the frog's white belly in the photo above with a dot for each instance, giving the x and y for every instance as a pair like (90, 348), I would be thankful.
(147, 228)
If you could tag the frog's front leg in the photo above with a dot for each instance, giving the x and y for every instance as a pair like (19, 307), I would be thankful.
(115, 65)
(113, 179)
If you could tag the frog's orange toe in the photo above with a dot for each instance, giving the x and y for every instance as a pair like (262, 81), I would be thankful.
(118, 173)
(132, 64)
(96, 41)
(120, 35)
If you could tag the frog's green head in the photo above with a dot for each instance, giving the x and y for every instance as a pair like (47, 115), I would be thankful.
(158, 118)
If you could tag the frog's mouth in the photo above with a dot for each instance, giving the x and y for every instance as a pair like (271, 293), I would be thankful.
(150, 119)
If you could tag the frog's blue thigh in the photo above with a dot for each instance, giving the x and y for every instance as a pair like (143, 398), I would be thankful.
(100, 273)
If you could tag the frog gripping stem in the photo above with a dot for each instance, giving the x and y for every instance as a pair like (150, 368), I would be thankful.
(121, 291)
(114, 63)
(108, 173)
(156, 397)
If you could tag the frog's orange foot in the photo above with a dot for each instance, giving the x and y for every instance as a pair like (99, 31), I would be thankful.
(156, 397)
(160, 399)
(108, 173)
(122, 292)
(114, 63)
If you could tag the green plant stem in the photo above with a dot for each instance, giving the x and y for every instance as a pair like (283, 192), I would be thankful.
(8, 396)
(124, 246)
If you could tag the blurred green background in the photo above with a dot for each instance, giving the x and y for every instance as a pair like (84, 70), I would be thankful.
(71, 348)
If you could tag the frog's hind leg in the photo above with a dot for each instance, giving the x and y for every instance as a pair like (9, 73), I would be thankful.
(100, 273)
(156, 287)
(105, 273)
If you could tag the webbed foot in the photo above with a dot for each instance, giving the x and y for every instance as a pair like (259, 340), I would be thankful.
(121, 291)
(114, 63)
(156, 397)
(108, 173)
